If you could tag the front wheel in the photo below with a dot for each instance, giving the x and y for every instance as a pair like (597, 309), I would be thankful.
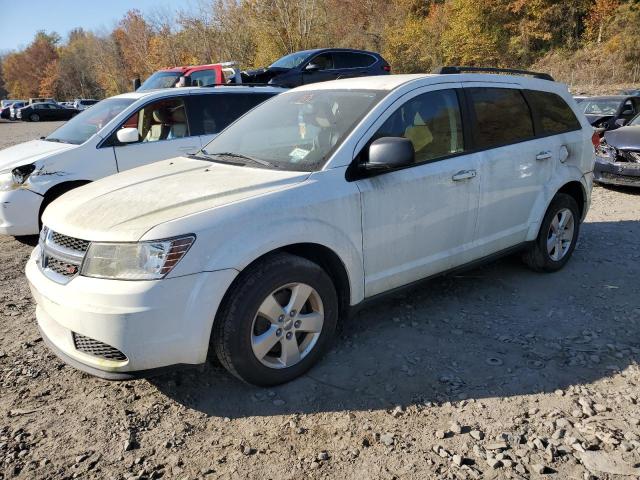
(557, 237)
(34, 117)
(277, 320)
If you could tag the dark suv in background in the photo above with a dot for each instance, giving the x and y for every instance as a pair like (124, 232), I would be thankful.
(319, 65)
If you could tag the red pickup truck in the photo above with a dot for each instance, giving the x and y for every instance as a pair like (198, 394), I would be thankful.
(193, 75)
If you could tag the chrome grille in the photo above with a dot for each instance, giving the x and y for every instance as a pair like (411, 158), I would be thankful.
(61, 256)
(69, 242)
(62, 268)
(97, 349)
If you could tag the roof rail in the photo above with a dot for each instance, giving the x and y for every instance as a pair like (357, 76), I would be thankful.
(512, 71)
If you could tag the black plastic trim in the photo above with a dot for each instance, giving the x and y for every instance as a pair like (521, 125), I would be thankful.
(96, 372)
(460, 69)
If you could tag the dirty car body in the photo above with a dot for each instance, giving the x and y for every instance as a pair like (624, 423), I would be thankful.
(618, 156)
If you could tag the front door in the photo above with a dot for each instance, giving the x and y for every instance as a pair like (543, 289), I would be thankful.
(420, 220)
(163, 132)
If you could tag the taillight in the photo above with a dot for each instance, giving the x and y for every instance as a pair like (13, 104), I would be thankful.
(595, 139)
(386, 68)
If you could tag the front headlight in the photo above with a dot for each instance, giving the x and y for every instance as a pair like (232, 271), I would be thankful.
(605, 150)
(135, 261)
(21, 174)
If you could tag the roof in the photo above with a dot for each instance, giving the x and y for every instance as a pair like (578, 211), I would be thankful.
(608, 97)
(167, 92)
(391, 82)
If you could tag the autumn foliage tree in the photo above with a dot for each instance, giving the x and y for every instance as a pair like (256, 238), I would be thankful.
(576, 40)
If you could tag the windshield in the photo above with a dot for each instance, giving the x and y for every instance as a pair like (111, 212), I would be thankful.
(600, 107)
(160, 80)
(635, 120)
(291, 61)
(82, 127)
(310, 126)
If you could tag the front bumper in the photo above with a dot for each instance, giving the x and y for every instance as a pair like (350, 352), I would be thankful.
(155, 324)
(19, 212)
(616, 173)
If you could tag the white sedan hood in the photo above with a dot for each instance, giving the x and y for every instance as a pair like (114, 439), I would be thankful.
(29, 152)
(125, 206)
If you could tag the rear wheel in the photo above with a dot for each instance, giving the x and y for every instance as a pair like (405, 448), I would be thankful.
(34, 117)
(557, 237)
(277, 321)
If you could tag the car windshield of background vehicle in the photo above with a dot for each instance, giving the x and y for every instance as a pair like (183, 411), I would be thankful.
(291, 61)
(83, 126)
(310, 126)
(600, 107)
(160, 80)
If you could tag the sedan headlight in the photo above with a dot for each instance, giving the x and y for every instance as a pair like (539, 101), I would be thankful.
(135, 261)
(605, 150)
(13, 179)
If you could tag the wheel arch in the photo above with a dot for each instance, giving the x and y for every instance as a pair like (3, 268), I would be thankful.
(56, 191)
(576, 190)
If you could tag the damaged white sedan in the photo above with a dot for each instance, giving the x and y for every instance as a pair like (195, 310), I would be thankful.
(117, 134)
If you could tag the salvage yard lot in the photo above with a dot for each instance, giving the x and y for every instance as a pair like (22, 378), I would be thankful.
(497, 372)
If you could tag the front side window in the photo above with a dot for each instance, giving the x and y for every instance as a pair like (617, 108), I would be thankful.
(211, 113)
(296, 130)
(84, 125)
(164, 119)
(554, 114)
(502, 116)
(324, 61)
(432, 122)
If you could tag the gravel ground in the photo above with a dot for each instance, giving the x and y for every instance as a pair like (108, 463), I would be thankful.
(495, 373)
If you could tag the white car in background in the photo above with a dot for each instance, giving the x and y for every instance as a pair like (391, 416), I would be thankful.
(83, 103)
(313, 202)
(117, 134)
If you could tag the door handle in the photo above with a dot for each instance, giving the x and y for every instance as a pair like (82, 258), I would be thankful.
(464, 175)
(543, 156)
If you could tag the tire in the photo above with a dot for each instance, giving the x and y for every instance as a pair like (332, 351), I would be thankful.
(34, 117)
(239, 330)
(548, 252)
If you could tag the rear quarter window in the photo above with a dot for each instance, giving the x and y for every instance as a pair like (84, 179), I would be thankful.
(501, 116)
(352, 60)
(553, 113)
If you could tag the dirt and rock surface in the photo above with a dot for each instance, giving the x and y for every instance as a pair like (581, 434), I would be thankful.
(494, 373)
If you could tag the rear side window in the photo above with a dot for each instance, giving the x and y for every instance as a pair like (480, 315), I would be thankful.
(212, 113)
(502, 116)
(553, 113)
(352, 60)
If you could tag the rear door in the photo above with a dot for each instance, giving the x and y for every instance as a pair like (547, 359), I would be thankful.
(514, 164)
(163, 132)
(210, 113)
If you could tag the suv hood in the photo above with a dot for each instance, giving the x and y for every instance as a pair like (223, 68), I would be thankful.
(29, 152)
(125, 206)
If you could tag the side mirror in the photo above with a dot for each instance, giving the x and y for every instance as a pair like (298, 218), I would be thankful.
(388, 153)
(621, 122)
(312, 67)
(127, 135)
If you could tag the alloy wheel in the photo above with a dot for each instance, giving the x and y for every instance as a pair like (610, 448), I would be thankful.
(560, 234)
(287, 325)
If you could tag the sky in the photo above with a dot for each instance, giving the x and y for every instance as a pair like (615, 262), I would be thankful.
(21, 19)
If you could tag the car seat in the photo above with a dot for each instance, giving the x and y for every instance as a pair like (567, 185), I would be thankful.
(178, 127)
(160, 129)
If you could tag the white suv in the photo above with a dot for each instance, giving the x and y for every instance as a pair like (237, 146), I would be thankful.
(116, 134)
(321, 198)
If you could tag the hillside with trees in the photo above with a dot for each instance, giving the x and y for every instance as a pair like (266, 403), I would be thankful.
(589, 44)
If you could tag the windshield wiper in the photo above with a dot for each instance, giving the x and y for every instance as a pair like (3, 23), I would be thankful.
(209, 158)
(259, 161)
(57, 140)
